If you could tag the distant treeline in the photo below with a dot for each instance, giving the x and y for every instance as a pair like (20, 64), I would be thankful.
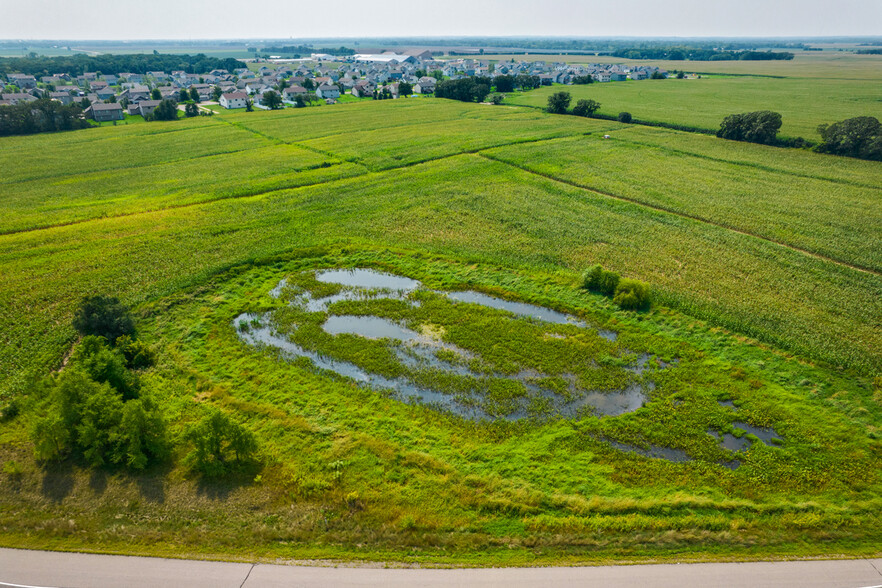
(869, 51)
(40, 116)
(563, 44)
(76, 65)
(689, 54)
(307, 49)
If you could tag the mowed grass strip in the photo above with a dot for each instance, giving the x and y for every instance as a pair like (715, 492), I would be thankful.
(47, 202)
(839, 221)
(704, 103)
(466, 206)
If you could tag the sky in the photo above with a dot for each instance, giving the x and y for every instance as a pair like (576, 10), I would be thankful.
(281, 19)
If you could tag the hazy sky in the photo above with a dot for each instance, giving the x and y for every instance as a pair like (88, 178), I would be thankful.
(203, 19)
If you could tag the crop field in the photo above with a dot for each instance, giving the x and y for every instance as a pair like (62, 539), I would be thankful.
(477, 406)
(804, 103)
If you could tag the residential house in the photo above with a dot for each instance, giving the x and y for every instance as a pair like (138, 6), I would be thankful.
(17, 98)
(425, 85)
(63, 97)
(327, 91)
(234, 100)
(23, 81)
(146, 107)
(290, 94)
(104, 112)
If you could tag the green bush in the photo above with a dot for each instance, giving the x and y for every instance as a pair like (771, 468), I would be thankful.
(91, 420)
(105, 365)
(600, 280)
(138, 355)
(631, 294)
(220, 445)
(103, 316)
(625, 117)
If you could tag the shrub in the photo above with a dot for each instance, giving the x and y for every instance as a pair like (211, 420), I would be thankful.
(220, 445)
(624, 117)
(138, 355)
(600, 280)
(103, 316)
(631, 294)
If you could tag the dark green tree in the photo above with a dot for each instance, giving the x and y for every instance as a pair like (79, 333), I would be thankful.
(183, 95)
(405, 89)
(155, 94)
(624, 117)
(194, 94)
(586, 107)
(191, 110)
(504, 83)
(559, 102)
(165, 110)
(104, 316)
(272, 99)
(854, 137)
(755, 127)
(631, 294)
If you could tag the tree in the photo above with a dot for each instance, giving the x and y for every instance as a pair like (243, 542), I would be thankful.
(249, 105)
(586, 107)
(104, 316)
(105, 366)
(657, 75)
(194, 94)
(405, 89)
(308, 84)
(216, 93)
(165, 110)
(219, 444)
(155, 94)
(183, 95)
(559, 102)
(497, 98)
(624, 117)
(681, 75)
(582, 80)
(854, 137)
(755, 127)
(272, 99)
(504, 83)
(632, 294)
(191, 110)
(299, 102)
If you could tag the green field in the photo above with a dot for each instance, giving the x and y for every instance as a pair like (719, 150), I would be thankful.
(767, 282)
(804, 103)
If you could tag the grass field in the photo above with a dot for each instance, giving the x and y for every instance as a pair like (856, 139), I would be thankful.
(762, 261)
(804, 103)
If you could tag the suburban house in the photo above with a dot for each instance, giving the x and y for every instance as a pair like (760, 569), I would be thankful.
(234, 100)
(104, 112)
(63, 97)
(326, 91)
(17, 98)
(146, 107)
(425, 85)
(289, 94)
(363, 89)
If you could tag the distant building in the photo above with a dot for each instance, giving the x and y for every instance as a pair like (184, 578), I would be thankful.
(327, 91)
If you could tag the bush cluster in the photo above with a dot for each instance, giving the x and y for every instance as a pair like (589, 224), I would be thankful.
(627, 293)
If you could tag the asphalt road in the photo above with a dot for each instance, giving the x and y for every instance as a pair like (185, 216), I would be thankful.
(75, 570)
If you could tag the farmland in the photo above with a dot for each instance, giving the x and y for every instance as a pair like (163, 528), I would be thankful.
(764, 267)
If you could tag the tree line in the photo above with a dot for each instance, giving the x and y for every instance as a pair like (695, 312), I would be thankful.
(40, 116)
(76, 65)
(299, 50)
(688, 54)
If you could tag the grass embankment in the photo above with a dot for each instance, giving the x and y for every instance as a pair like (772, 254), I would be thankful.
(350, 473)
(162, 210)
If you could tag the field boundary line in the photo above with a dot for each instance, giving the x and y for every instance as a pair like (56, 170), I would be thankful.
(749, 164)
(367, 171)
(685, 215)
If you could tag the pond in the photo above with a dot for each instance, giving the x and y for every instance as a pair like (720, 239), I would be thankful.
(428, 357)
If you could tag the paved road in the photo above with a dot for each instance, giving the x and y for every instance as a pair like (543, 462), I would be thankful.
(74, 570)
